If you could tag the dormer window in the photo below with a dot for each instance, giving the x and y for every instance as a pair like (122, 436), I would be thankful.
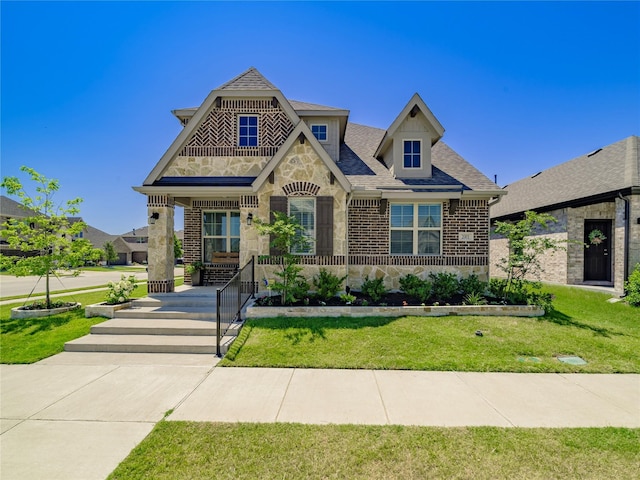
(412, 154)
(248, 131)
(320, 132)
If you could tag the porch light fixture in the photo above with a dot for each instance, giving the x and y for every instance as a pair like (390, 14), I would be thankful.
(249, 218)
(154, 216)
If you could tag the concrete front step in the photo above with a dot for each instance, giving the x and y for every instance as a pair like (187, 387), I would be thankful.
(168, 312)
(148, 344)
(204, 302)
(140, 326)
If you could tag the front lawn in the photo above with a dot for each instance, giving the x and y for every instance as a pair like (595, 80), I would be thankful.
(606, 335)
(187, 450)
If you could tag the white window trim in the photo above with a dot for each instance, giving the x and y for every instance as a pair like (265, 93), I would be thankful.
(227, 237)
(421, 154)
(257, 127)
(312, 241)
(415, 229)
(326, 126)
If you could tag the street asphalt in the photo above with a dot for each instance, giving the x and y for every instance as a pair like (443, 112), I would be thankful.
(78, 415)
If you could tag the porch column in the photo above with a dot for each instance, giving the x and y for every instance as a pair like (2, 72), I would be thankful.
(160, 213)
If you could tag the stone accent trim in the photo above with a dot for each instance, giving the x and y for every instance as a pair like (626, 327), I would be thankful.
(216, 204)
(160, 286)
(305, 260)
(301, 189)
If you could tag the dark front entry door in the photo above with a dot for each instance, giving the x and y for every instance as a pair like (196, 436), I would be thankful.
(597, 258)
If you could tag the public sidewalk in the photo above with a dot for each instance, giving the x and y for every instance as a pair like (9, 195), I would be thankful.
(78, 415)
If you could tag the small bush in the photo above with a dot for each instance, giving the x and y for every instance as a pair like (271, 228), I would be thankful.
(445, 285)
(327, 284)
(374, 288)
(632, 287)
(416, 287)
(474, 299)
(497, 287)
(298, 289)
(472, 285)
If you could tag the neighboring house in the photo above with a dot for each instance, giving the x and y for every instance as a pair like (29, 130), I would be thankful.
(377, 203)
(9, 208)
(597, 191)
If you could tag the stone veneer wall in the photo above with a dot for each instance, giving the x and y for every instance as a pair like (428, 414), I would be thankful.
(216, 166)
(634, 234)
(160, 248)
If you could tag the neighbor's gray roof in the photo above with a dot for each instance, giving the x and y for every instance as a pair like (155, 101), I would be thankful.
(607, 170)
(362, 169)
(10, 208)
(252, 79)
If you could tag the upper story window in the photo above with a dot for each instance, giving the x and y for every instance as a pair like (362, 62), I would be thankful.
(248, 131)
(412, 154)
(320, 132)
(303, 209)
(416, 229)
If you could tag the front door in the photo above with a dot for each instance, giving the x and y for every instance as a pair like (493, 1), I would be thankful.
(597, 257)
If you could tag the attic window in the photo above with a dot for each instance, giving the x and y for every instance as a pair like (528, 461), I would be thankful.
(320, 132)
(412, 156)
(248, 131)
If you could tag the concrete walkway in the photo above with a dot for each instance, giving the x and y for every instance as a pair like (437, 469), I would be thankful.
(78, 415)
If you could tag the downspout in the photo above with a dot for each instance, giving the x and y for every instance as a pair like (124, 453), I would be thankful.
(489, 205)
(627, 229)
(346, 229)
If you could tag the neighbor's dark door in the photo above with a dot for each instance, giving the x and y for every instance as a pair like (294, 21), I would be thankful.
(597, 258)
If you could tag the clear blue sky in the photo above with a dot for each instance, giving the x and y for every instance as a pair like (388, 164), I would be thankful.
(87, 87)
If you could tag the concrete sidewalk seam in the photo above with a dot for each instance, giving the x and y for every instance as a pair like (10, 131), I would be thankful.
(284, 395)
(191, 392)
(30, 417)
(484, 399)
(384, 406)
(570, 378)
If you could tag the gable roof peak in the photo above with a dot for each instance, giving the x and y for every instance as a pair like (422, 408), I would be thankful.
(250, 79)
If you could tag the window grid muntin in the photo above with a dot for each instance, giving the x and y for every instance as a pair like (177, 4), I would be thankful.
(423, 228)
(319, 131)
(303, 209)
(412, 153)
(247, 130)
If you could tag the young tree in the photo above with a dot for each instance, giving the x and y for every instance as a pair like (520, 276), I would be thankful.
(525, 251)
(110, 254)
(287, 236)
(45, 233)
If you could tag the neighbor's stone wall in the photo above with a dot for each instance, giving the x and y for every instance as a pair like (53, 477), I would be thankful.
(634, 234)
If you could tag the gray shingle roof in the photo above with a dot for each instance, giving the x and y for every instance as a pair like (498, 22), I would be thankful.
(252, 79)
(364, 170)
(297, 105)
(607, 170)
(10, 208)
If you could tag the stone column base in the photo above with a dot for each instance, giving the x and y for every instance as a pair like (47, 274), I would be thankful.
(160, 286)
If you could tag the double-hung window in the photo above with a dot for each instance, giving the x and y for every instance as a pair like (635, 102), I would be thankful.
(320, 132)
(303, 209)
(248, 131)
(412, 156)
(220, 233)
(416, 229)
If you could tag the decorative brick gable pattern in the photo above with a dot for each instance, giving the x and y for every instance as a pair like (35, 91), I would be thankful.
(217, 136)
(301, 189)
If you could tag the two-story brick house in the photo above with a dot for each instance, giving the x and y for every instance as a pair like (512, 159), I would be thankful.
(373, 202)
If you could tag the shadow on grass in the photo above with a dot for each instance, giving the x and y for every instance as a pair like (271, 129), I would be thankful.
(564, 320)
(33, 326)
(317, 327)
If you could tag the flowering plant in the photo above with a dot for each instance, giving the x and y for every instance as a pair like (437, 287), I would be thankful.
(120, 292)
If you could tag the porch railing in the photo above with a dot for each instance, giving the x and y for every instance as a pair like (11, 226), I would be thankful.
(231, 298)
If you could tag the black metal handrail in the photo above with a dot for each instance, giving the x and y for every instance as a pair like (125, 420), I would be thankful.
(231, 298)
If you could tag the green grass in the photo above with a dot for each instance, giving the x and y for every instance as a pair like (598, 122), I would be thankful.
(32, 339)
(185, 450)
(606, 335)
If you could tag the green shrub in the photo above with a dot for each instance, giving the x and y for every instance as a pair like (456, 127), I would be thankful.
(327, 284)
(632, 287)
(472, 285)
(444, 285)
(416, 287)
(374, 288)
(497, 287)
(474, 299)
